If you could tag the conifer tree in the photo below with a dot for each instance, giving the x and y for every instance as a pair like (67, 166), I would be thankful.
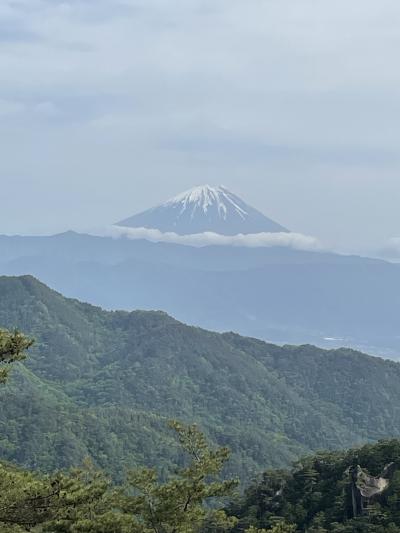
(180, 504)
(13, 346)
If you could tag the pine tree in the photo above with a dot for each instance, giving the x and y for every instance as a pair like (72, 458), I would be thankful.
(13, 346)
(180, 504)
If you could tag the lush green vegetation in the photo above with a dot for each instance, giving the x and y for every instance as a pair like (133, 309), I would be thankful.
(103, 384)
(187, 492)
(315, 496)
(84, 500)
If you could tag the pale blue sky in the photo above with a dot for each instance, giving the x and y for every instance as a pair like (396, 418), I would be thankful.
(109, 106)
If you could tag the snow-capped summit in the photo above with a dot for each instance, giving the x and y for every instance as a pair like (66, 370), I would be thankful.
(202, 209)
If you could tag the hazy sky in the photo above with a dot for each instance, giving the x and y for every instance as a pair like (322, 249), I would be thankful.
(110, 106)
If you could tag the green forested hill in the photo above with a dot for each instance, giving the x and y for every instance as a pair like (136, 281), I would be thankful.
(104, 383)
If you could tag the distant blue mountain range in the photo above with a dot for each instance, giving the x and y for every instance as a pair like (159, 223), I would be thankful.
(278, 294)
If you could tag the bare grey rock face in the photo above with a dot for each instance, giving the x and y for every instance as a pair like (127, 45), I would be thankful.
(367, 489)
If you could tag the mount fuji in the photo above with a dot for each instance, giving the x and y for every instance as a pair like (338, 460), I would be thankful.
(204, 209)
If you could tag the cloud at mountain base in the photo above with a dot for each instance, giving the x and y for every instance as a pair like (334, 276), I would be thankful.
(390, 249)
(296, 241)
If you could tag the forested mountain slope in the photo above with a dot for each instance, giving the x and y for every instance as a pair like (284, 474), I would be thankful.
(104, 383)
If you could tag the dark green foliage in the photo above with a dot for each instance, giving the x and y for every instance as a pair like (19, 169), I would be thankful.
(102, 384)
(83, 501)
(179, 505)
(12, 348)
(315, 495)
(78, 501)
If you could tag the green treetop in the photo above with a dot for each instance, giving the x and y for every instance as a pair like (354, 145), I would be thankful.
(180, 504)
(13, 346)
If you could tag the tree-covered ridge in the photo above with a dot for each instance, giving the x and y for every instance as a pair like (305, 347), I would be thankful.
(103, 384)
(319, 494)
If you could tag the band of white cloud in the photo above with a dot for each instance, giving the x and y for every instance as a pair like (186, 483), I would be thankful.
(296, 241)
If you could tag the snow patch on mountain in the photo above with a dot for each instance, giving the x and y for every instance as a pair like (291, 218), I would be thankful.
(204, 197)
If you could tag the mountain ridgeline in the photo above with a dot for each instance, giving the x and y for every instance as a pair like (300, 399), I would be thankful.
(277, 293)
(103, 384)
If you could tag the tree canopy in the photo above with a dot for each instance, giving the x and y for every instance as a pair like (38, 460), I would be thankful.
(316, 496)
(13, 346)
(84, 501)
